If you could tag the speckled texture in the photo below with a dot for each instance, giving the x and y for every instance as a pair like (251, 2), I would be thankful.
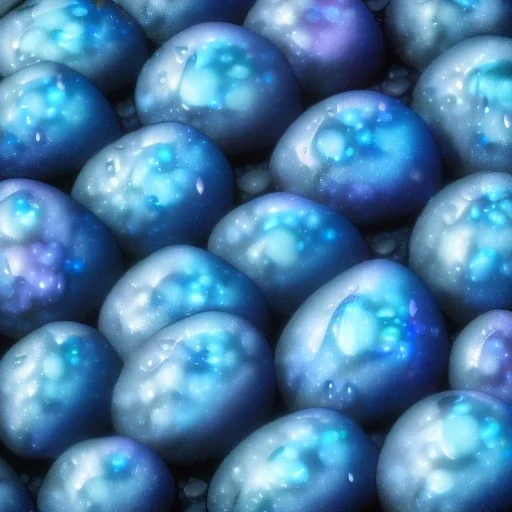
(288, 245)
(51, 250)
(324, 40)
(461, 245)
(421, 30)
(363, 154)
(465, 96)
(227, 81)
(449, 452)
(162, 19)
(110, 474)
(196, 388)
(310, 460)
(13, 495)
(368, 343)
(52, 120)
(161, 185)
(97, 39)
(481, 357)
(171, 284)
(55, 389)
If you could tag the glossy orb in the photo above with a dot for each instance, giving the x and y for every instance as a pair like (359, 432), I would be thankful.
(57, 261)
(288, 245)
(325, 41)
(481, 357)
(94, 38)
(451, 451)
(369, 343)
(109, 474)
(227, 81)
(52, 120)
(421, 30)
(171, 284)
(13, 495)
(363, 154)
(55, 389)
(465, 96)
(196, 388)
(162, 19)
(161, 185)
(461, 245)
(310, 460)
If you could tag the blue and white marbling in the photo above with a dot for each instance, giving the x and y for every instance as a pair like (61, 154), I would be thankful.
(161, 185)
(171, 284)
(325, 41)
(52, 120)
(461, 245)
(57, 261)
(316, 459)
(109, 474)
(13, 495)
(450, 452)
(481, 357)
(196, 388)
(288, 245)
(421, 30)
(162, 19)
(55, 389)
(369, 343)
(229, 82)
(465, 96)
(95, 38)
(362, 153)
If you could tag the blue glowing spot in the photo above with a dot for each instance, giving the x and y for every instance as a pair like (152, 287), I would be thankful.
(466, 4)
(75, 265)
(26, 212)
(165, 154)
(71, 349)
(483, 265)
(55, 95)
(119, 464)
(492, 82)
(287, 467)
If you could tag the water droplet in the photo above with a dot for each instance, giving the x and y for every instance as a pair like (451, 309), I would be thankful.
(507, 120)
(200, 186)
(350, 477)
(19, 359)
(413, 308)
(162, 77)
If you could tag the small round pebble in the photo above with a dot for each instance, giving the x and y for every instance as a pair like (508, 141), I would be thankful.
(57, 260)
(13, 495)
(451, 451)
(95, 38)
(369, 343)
(110, 474)
(461, 245)
(52, 120)
(481, 357)
(362, 153)
(225, 80)
(171, 284)
(55, 389)
(288, 245)
(316, 459)
(196, 388)
(161, 185)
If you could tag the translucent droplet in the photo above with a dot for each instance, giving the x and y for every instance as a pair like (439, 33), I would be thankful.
(200, 186)
(507, 120)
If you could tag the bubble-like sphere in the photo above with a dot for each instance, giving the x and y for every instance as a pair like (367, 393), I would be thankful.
(451, 451)
(310, 460)
(97, 39)
(362, 153)
(229, 82)
(109, 474)
(196, 388)
(421, 30)
(481, 357)
(13, 495)
(461, 245)
(57, 260)
(325, 41)
(171, 284)
(162, 19)
(52, 120)
(161, 185)
(56, 388)
(288, 245)
(369, 343)
(465, 96)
